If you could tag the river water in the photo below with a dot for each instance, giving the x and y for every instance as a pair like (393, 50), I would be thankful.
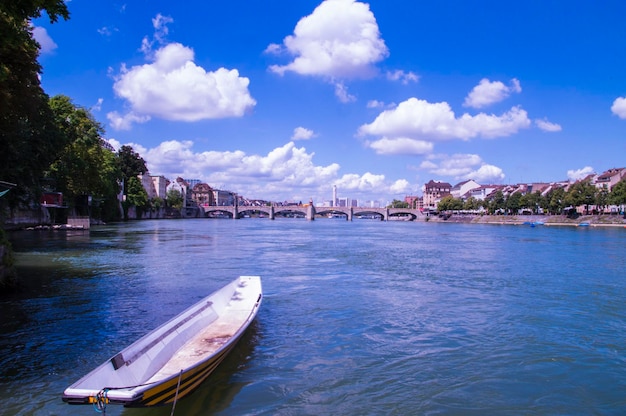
(358, 318)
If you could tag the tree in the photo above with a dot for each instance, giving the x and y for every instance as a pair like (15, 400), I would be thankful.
(131, 164)
(449, 203)
(398, 204)
(555, 201)
(531, 201)
(28, 138)
(472, 204)
(618, 195)
(85, 166)
(497, 202)
(137, 196)
(174, 199)
(581, 193)
(602, 199)
(513, 203)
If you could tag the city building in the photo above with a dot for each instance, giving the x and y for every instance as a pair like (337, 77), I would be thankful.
(461, 190)
(434, 191)
(610, 178)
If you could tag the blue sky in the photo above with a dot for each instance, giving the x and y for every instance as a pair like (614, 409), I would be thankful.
(283, 99)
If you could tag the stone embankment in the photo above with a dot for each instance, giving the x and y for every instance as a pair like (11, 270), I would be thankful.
(549, 220)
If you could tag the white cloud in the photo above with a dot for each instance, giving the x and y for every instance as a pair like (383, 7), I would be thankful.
(403, 77)
(463, 167)
(125, 121)
(159, 23)
(341, 92)
(577, 174)
(375, 104)
(487, 174)
(98, 105)
(301, 133)
(420, 120)
(107, 31)
(45, 41)
(339, 40)
(619, 107)
(487, 92)
(173, 87)
(545, 125)
(401, 146)
(287, 172)
(401, 186)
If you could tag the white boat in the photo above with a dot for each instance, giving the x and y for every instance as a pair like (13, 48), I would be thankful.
(171, 361)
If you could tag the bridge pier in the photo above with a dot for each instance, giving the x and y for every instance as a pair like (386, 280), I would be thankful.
(271, 214)
(310, 212)
(350, 214)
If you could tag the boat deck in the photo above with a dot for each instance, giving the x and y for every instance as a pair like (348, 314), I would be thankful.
(207, 341)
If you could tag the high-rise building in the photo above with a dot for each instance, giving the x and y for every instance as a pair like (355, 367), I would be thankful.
(334, 202)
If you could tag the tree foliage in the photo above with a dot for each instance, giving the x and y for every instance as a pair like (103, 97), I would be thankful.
(28, 137)
(618, 193)
(581, 193)
(398, 204)
(174, 198)
(131, 164)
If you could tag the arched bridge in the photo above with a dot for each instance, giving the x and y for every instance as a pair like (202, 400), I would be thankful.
(310, 212)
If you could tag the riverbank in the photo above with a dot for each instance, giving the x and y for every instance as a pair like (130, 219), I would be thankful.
(548, 220)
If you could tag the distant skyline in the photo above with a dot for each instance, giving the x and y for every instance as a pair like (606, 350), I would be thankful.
(282, 100)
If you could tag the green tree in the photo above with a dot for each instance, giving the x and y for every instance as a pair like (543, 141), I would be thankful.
(581, 193)
(497, 202)
(131, 164)
(618, 194)
(174, 199)
(398, 204)
(513, 203)
(471, 204)
(137, 197)
(555, 201)
(85, 166)
(28, 139)
(602, 198)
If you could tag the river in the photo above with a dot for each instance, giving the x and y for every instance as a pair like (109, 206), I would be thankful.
(358, 318)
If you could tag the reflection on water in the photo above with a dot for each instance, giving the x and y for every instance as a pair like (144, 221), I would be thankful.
(362, 317)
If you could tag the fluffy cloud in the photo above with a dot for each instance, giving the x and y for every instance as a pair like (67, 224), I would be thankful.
(125, 121)
(341, 92)
(487, 174)
(300, 133)
(487, 93)
(403, 77)
(401, 146)
(339, 40)
(462, 167)
(577, 174)
(285, 173)
(619, 107)
(173, 87)
(375, 104)
(45, 41)
(545, 125)
(420, 120)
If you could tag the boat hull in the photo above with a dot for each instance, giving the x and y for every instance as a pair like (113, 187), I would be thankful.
(170, 362)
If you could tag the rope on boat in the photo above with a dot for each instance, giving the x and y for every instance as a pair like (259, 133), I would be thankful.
(101, 401)
(176, 395)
